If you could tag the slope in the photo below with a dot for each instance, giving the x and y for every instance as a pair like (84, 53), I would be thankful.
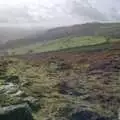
(111, 30)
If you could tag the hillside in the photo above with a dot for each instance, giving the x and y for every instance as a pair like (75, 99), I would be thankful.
(64, 85)
(69, 78)
(81, 43)
(9, 34)
(89, 29)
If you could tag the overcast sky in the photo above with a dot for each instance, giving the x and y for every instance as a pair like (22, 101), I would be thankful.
(57, 12)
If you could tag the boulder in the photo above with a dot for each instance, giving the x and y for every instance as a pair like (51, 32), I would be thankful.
(33, 102)
(16, 112)
(19, 93)
(9, 88)
(86, 114)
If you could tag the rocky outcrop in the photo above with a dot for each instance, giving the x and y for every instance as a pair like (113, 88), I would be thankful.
(33, 102)
(12, 94)
(86, 114)
(8, 88)
(16, 112)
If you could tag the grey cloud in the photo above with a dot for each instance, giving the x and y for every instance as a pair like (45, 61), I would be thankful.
(60, 12)
(15, 15)
(87, 11)
(114, 13)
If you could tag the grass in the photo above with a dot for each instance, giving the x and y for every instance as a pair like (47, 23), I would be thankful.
(90, 48)
(48, 84)
(59, 44)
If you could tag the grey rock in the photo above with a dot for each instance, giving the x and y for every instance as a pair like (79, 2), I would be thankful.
(86, 114)
(33, 102)
(16, 112)
(19, 93)
(9, 88)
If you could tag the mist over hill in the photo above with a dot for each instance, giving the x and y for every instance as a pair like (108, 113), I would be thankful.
(33, 36)
(8, 33)
(39, 14)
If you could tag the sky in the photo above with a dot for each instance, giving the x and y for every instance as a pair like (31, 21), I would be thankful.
(58, 12)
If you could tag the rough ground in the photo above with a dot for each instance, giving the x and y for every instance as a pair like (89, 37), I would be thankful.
(63, 82)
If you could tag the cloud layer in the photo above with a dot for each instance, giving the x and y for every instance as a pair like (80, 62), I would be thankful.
(58, 12)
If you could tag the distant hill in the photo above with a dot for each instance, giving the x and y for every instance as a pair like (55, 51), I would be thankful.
(11, 37)
(89, 29)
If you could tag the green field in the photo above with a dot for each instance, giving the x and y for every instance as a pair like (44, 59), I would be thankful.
(60, 44)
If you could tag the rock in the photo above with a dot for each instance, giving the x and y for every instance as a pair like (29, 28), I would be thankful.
(33, 102)
(25, 83)
(9, 88)
(16, 112)
(84, 114)
(18, 94)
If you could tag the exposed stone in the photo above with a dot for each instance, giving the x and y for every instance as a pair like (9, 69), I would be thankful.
(16, 112)
(84, 114)
(33, 102)
(18, 94)
(9, 88)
